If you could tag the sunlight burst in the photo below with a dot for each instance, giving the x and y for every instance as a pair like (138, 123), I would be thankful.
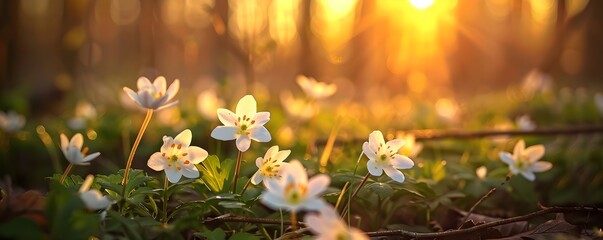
(421, 4)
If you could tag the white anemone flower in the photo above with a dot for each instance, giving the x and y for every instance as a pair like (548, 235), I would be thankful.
(11, 122)
(93, 198)
(297, 108)
(384, 157)
(72, 149)
(84, 112)
(293, 191)
(411, 147)
(270, 165)
(177, 157)
(524, 122)
(328, 225)
(599, 102)
(245, 125)
(314, 89)
(153, 95)
(524, 160)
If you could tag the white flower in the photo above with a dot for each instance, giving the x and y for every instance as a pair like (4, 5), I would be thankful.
(314, 89)
(93, 198)
(73, 150)
(536, 81)
(208, 103)
(11, 121)
(245, 125)
(384, 157)
(327, 225)
(293, 191)
(154, 96)
(525, 160)
(599, 102)
(524, 122)
(411, 147)
(299, 109)
(177, 158)
(270, 165)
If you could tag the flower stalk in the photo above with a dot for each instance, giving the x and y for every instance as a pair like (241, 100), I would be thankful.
(67, 170)
(293, 220)
(237, 168)
(145, 123)
(165, 198)
(487, 195)
(345, 208)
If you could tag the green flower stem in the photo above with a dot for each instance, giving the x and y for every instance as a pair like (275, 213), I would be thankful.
(145, 123)
(165, 198)
(237, 168)
(67, 170)
(487, 195)
(345, 208)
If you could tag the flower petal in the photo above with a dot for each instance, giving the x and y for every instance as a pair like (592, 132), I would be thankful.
(317, 185)
(132, 95)
(184, 138)
(534, 152)
(316, 224)
(164, 106)
(262, 118)
(314, 204)
(271, 152)
(91, 157)
(172, 174)
(257, 178)
(197, 154)
(167, 143)
(260, 134)
(143, 83)
(518, 149)
(77, 141)
(273, 201)
(157, 162)
(243, 143)
(528, 175)
(374, 168)
(173, 89)
(395, 144)
(295, 172)
(396, 175)
(506, 157)
(513, 169)
(227, 117)
(224, 133)
(402, 162)
(541, 166)
(159, 84)
(190, 171)
(368, 151)
(282, 155)
(259, 162)
(246, 106)
(64, 143)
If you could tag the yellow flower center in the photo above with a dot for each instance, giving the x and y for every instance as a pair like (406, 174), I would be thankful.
(295, 193)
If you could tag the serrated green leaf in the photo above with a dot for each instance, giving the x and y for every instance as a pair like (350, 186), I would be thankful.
(215, 174)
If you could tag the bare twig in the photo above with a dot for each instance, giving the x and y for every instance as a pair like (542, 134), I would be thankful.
(230, 218)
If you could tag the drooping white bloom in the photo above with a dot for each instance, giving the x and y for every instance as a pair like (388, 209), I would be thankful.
(11, 122)
(314, 89)
(293, 191)
(384, 157)
(245, 125)
(525, 160)
(208, 103)
(298, 109)
(93, 198)
(524, 122)
(72, 149)
(328, 225)
(270, 165)
(153, 95)
(177, 157)
(411, 147)
(84, 112)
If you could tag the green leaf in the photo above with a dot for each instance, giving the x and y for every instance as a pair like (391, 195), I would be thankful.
(383, 190)
(231, 204)
(216, 173)
(216, 234)
(68, 217)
